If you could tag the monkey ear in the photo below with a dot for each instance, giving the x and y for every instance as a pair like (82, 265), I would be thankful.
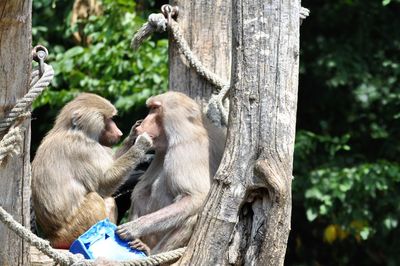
(194, 114)
(156, 103)
(74, 119)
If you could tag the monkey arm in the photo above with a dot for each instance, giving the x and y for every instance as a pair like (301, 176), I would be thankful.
(161, 220)
(189, 183)
(122, 166)
(126, 145)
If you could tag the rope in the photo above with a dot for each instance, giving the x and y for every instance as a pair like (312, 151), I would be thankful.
(37, 86)
(77, 259)
(192, 59)
(217, 108)
(158, 258)
(153, 260)
(11, 143)
(42, 245)
(156, 22)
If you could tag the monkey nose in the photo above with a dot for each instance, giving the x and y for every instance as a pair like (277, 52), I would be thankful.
(138, 130)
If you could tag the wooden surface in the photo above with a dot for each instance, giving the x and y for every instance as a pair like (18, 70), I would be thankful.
(15, 62)
(40, 259)
(206, 26)
(246, 219)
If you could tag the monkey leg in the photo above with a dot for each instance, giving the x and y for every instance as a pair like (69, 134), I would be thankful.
(90, 211)
(176, 238)
(111, 209)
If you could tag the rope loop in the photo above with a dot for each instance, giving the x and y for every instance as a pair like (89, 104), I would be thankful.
(170, 12)
(218, 105)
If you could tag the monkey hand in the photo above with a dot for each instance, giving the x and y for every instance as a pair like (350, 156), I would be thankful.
(137, 123)
(131, 139)
(144, 141)
(128, 231)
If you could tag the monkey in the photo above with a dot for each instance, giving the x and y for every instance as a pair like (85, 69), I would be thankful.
(169, 196)
(81, 11)
(123, 194)
(74, 172)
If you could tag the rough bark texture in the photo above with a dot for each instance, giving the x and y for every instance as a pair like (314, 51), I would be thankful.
(15, 58)
(246, 219)
(206, 26)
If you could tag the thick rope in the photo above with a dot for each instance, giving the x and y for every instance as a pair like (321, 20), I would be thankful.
(11, 143)
(37, 86)
(153, 260)
(156, 22)
(64, 258)
(218, 106)
(192, 59)
(42, 245)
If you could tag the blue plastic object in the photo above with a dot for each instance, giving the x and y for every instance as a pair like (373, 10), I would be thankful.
(102, 241)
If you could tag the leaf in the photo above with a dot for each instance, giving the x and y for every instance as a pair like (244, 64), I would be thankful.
(365, 232)
(311, 215)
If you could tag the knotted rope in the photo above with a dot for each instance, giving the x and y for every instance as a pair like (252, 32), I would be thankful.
(40, 79)
(64, 258)
(11, 143)
(217, 108)
(22, 106)
(41, 244)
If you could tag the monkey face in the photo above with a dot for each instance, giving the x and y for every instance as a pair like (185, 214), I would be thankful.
(111, 134)
(152, 125)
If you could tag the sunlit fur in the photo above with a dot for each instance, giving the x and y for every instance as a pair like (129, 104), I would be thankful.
(169, 196)
(72, 172)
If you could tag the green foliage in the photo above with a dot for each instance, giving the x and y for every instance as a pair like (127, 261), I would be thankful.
(366, 192)
(107, 66)
(347, 174)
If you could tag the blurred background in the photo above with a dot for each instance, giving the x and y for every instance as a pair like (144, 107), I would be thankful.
(346, 190)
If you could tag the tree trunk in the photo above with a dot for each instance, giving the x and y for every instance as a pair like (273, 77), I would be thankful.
(15, 58)
(246, 218)
(206, 26)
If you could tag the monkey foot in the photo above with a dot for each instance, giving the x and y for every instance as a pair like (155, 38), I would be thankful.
(139, 245)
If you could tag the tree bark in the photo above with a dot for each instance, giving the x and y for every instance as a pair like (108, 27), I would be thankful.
(206, 26)
(15, 58)
(246, 218)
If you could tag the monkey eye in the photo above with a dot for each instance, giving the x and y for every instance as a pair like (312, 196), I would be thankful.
(154, 107)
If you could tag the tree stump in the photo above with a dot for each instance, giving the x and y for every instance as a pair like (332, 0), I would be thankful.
(246, 219)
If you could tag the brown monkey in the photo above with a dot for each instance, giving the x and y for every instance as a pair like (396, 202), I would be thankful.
(168, 197)
(81, 11)
(74, 172)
